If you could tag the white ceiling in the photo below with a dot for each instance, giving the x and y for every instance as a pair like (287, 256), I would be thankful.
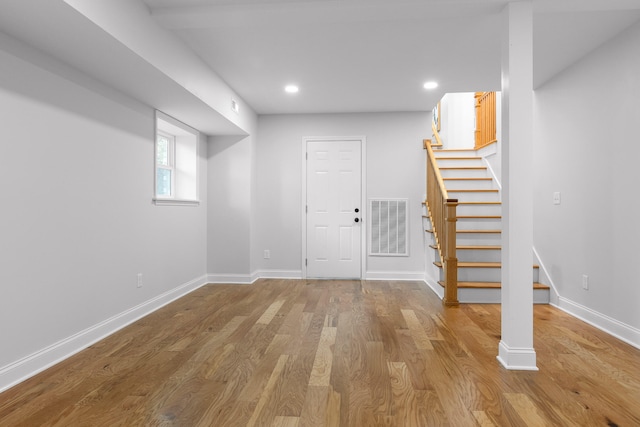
(374, 55)
(346, 55)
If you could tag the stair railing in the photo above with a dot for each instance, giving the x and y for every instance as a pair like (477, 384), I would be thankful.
(485, 133)
(442, 214)
(436, 134)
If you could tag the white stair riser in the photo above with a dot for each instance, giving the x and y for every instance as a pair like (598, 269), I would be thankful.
(474, 255)
(479, 224)
(479, 275)
(479, 255)
(479, 209)
(479, 239)
(463, 173)
(461, 153)
(467, 196)
(443, 163)
(469, 184)
(486, 275)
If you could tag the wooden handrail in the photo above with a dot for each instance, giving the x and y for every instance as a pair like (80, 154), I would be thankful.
(436, 134)
(436, 172)
(442, 214)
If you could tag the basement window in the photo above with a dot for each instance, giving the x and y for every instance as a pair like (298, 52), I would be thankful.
(176, 162)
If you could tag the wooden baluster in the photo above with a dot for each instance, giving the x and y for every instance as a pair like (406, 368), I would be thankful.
(485, 106)
(478, 132)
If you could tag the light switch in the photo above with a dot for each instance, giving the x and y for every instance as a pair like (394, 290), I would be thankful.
(556, 198)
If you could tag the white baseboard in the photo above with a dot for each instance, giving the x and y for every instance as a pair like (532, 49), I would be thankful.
(233, 279)
(435, 287)
(278, 274)
(32, 364)
(622, 331)
(297, 274)
(395, 275)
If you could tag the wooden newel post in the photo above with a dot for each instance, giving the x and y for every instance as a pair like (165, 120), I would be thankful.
(450, 258)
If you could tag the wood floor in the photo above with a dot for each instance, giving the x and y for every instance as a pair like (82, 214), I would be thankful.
(332, 353)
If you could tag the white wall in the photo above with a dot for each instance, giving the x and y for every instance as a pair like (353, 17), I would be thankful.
(229, 216)
(78, 223)
(586, 147)
(395, 169)
(458, 121)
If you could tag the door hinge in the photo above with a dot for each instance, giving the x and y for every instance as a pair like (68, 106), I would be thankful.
(306, 209)
(305, 262)
(306, 155)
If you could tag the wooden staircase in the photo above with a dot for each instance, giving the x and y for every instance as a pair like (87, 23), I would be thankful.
(478, 228)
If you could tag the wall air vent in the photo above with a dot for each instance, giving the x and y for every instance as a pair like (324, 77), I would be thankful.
(388, 227)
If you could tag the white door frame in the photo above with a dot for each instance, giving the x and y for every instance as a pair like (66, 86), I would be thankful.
(363, 207)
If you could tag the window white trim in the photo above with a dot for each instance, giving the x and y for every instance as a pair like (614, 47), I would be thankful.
(175, 202)
(183, 160)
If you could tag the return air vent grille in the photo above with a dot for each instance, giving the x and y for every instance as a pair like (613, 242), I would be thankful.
(388, 227)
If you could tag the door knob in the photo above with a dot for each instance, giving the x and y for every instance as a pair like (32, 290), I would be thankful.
(357, 210)
(357, 220)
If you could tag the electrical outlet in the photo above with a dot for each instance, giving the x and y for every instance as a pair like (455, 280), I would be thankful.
(139, 285)
(585, 282)
(267, 254)
(556, 198)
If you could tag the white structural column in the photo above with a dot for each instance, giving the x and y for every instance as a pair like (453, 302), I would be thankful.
(516, 347)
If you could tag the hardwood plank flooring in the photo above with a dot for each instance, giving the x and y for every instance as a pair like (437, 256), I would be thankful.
(332, 353)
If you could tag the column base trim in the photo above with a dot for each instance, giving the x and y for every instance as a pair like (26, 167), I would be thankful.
(517, 359)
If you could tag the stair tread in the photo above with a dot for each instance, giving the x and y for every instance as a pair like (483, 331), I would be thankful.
(474, 247)
(429, 230)
(479, 247)
(458, 158)
(490, 285)
(478, 264)
(462, 167)
(473, 190)
(479, 203)
(457, 150)
(467, 179)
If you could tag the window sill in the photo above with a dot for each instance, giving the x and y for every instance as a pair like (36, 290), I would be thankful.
(176, 202)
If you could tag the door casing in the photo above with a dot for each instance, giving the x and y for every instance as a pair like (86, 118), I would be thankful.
(363, 209)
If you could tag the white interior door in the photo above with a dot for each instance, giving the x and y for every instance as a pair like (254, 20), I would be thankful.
(334, 214)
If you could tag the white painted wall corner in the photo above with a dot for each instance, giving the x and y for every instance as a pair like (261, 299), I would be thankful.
(37, 362)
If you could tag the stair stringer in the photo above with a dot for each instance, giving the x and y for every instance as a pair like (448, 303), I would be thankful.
(545, 278)
(431, 272)
(485, 153)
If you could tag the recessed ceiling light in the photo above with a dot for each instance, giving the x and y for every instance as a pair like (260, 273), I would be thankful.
(430, 85)
(291, 89)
